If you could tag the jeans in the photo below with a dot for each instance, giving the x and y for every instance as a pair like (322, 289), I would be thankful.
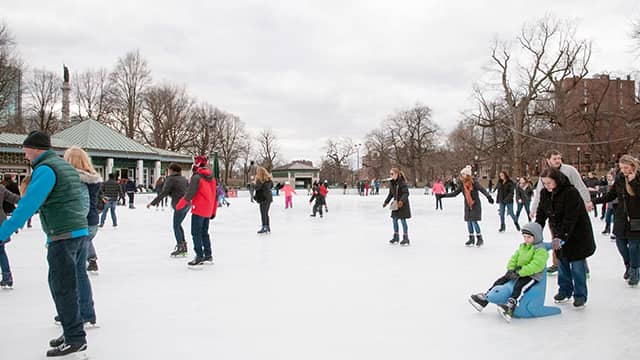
(4, 263)
(317, 207)
(200, 234)
(572, 277)
(130, 194)
(524, 205)
(608, 217)
(264, 212)
(178, 218)
(473, 225)
(62, 256)
(91, 253)
(405, 228)
(438, 202)
(110, 205)
(85, 294)
(509, 208)
(288, 202)
(629, 249)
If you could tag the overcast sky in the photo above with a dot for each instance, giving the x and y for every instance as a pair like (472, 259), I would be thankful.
(310, 70)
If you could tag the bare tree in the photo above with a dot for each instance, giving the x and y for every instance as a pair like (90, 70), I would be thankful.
(166, 122)
(268, 148)
(44, 90)
(130, 80)
(205, 137)
(338, 151)
(10, 81)
(378, 149)
(92, 90)
(233, 138)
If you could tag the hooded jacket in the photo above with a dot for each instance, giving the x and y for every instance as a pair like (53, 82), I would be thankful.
(201, 193)
(91, 186)
(531, 259)
(628, 206)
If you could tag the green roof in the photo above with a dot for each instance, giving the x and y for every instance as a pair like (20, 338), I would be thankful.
(15, 141)
(91, 135)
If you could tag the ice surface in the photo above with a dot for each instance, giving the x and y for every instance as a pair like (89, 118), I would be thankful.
(329, 288)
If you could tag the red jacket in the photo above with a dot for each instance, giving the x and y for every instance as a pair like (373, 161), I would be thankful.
(202, 194)
(323, 190)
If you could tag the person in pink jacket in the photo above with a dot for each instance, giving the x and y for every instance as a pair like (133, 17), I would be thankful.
(288, 195)
(438, 189)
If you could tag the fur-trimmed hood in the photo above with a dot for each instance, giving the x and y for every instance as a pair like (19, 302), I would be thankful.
(89, 178)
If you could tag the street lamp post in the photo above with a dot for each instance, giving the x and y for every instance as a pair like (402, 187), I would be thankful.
(358, 158)
(579, 161)
(476, 165)
(537, 167)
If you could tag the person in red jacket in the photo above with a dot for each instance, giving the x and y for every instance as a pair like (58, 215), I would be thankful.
(202, 196)
(324, 190)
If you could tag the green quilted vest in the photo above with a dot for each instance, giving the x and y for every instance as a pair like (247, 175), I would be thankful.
(62, 211)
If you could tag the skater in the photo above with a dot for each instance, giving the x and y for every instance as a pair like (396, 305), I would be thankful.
(130, 188)
(524, 191)
(561, 204)
(6, 197)
(90, 184)
(593, 185)
(319, 200)
(526, 268)
(377, 185)
(400, 207)
(11, 185)
(324, 191)
(626, 226)
(438, 190)
(366, 187)
(610, 206)
(553, 159)
(251, 191)
(112, 191)
(344, 189)
(490, 185)
(264, 197)
(505, 188)
(158, 189)
(472, 206)
(201, 194)
(288, 195)
(222, 196)
(175, 186)
(55, 191)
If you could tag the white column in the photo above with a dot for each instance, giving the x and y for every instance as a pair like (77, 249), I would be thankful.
(139, 172)
(156, 172)
(108, 168)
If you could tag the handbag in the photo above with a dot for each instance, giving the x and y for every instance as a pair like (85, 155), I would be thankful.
(634, 224)
(393, 205)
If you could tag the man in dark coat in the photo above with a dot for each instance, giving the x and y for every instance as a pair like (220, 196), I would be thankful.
(573, 242)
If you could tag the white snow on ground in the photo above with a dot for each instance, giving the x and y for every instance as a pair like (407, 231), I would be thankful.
(329, 288)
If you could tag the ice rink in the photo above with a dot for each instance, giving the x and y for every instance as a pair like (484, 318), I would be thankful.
(330, 288)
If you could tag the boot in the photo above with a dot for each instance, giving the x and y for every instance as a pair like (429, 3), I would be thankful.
(395, 240)
(502, 228)
(93, 265)
(471, 241)
(196, 261)
(7, 281)
(180, 249)
(479, 301)
(405, 240)
(66, 349)
(626, 273)
(265, 229)
(479, 242)
(606, 230)
(517, 226)
(634, 277)
(506, 310)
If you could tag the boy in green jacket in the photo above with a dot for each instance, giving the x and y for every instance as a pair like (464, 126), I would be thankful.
(526, 268)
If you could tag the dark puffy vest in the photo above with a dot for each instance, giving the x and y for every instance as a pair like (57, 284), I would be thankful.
(62, 212)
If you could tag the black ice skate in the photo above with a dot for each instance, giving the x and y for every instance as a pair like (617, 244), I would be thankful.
(478, 301)
(471, 241)
(395, 239)
(76, 351)
(180, 250)
(405, 240)
(506, 310)
(634, 277)
(7, 281)
(479, 241)
(578, 303)
(196, 263)
(207, 260)
(57, 341)
(560, 298)
(265, 230)
(92, 268)
(552, 270)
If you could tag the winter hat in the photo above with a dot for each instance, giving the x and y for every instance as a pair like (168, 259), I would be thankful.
(534, 229)
(466, 171)
(286, 183)
(37, 140)
(200, 161)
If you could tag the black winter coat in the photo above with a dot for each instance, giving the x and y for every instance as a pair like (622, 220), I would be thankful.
(13, 187)
(524, 195)
(399, 191)
(505, 192)
(568, 220)
(474, 213)
(175, 185)
(263, 192)
(628, 206)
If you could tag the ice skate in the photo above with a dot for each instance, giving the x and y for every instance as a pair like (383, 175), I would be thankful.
(92, 268)
(180, 250)
(506, 310)
(471, 241)
(68, 352)
(207, 260)
(560, 298)
(395, 239)
(479, 240)
(405, 240)
(478, 301)
(7, 282)
(196, 263)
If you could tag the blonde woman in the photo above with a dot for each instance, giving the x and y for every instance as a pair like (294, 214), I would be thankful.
(626, 188)
(91, 183)
(264, 197)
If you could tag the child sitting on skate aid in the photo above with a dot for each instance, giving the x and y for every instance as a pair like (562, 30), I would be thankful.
(524, 282)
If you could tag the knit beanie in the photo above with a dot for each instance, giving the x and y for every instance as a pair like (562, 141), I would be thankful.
(37, 140)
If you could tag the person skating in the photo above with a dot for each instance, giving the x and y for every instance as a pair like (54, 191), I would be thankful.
(562, 205)
(55, 191)
(437, 191)
(264, 197)
(130, 188)
(626, 225)
(610, 206)
(288, 195)
(324, 191)
(524, 192)
(526, 268)
(175, 186)
(505, 189)
(400, 208)
(316, 195)
(8, 197)
(112, 192)
(472, 207)
(201, 194)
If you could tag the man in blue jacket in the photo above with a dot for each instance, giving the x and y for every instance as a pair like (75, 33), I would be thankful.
(55, 191)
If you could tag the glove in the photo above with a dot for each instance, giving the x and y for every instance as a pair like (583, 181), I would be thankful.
(491, 200)
(512, 275)
(400, 204)
(213, 216)
(384, 205)
(556, 243)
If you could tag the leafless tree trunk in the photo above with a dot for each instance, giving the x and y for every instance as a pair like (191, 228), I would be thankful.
(337, 151)
(92, 90)
(233, 138)
(207, 125)
(130, 80)
(10, 83)
(166, 120)
(268, 148)
(44, 89)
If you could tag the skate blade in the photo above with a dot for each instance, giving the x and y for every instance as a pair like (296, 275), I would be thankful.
(475, 305)
(90, 326)
(82, 355)
(8, 288)
(195, 267)
(561, 301)
(93, 273)
(504, 315)
(551, 274)
(178, 256)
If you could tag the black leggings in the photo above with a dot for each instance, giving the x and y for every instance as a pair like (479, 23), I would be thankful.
(522, 285)
(264, 212)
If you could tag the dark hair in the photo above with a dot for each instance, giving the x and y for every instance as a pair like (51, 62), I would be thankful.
(506, 175)
(556, 175)
(175, 167)
(112, 176)
(551, 152)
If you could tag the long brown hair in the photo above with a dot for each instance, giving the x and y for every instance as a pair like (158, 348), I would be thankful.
(396, 170)
(633, 162)
(262, 175)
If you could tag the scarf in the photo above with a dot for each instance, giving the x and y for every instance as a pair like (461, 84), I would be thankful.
(468, 187)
